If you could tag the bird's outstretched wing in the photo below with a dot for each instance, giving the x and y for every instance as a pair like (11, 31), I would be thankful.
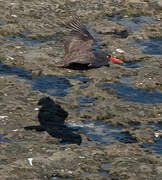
(78, 29)
(78, 43)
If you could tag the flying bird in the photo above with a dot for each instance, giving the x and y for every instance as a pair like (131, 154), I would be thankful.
(79, 48)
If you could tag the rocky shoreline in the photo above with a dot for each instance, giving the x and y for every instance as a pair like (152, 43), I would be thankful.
(115, 112)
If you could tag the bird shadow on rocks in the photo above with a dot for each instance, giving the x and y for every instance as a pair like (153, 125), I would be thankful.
(52, 117)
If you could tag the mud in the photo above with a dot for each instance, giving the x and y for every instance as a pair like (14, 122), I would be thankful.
(113, 128)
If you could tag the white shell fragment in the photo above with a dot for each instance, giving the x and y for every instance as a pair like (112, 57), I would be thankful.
(3, 117)
(120, 50)
(30, 161)
(14, 15)
(156, 134)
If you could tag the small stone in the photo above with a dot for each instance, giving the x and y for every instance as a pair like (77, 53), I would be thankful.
(30, 161)
(120, 50)
(14, 15)
(159, 169)
(3, 117)
(156, 134)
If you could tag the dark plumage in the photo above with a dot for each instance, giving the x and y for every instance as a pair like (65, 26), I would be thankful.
(79, 48)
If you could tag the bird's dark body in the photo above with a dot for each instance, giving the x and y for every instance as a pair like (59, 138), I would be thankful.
(79, 48)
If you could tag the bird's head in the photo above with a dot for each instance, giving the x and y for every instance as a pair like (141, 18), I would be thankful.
(114, 59)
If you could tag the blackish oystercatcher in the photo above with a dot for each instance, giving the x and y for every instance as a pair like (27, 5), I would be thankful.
(79, 49)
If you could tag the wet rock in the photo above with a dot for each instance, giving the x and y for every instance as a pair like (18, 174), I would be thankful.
(121, 165)
(109, 28)
(37, 155)
(156, 4)
(159, 170)
(143, 134)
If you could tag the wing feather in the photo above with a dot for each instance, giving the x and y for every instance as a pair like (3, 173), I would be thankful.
(77, 37)
(79, 29)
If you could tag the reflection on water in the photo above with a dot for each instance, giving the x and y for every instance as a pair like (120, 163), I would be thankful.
(52, 85)
(102, 132)
(131, 23)
(128, 93)
(157, 145)
(27, 40)
(79, 77)
(57, 178)
(86, 174)
(134, 64)
(20, 72)
(5, 140)
(2, 163)
(57, 86)
(152, 46)
(86, 100)
(106, 167)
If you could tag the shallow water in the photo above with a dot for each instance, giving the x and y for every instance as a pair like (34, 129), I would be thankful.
(85, 174)
(106, 166)
(57, 178)
(85, 103)
(155, 126)
(134, 64)
(157, 145)
(5, 140)
(2, 163)
(132, 23)
(97, 131)
(86, 100)
(79, 77)
(53, 85)
(83, 108)
(27, 40)
(58, 86)
(152, 46)
(127, 93)
(20, 72)
(101, 132)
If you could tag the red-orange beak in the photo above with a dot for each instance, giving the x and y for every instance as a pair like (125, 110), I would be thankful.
(115, 59)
